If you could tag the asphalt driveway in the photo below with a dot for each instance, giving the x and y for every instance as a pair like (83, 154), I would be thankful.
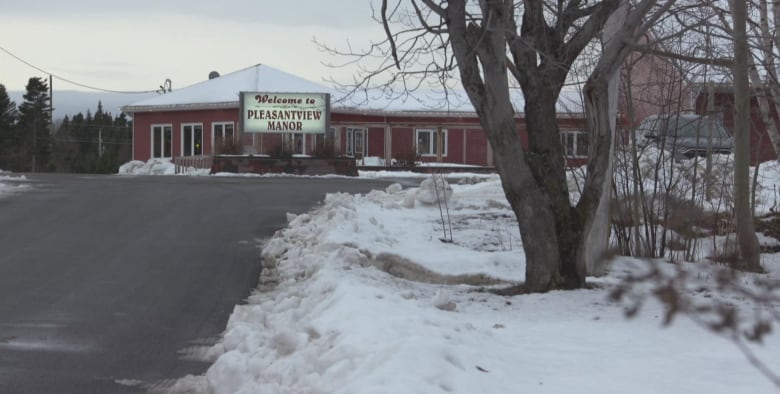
(112, 284)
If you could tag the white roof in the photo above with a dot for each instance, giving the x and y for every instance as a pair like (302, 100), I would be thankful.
(222, 92)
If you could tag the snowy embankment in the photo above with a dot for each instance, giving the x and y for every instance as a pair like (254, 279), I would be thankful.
(361, 295)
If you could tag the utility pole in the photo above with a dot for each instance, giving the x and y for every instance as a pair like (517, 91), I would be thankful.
(51, 104)
(439, 144)
(35, 132)
(100, 142)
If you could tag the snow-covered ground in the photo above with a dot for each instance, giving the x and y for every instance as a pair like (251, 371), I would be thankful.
(385, 293)
(361, 295)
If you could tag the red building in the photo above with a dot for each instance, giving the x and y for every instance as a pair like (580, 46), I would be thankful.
(191, 121)
(722, 97)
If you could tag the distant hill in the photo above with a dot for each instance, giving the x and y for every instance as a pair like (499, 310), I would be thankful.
(71, 102)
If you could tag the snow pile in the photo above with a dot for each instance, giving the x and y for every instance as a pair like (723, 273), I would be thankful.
(361, 296)
(151, 167)
(10, 183)
(371, 161)
(434, 190)
(158, 167)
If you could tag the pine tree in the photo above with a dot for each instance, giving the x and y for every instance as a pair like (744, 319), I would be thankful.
(93, 143)
(33, 128)
(8, 117)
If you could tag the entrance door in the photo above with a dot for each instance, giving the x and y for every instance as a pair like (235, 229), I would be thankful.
(356, 142)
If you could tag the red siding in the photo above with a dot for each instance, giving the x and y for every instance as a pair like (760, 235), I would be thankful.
(376, 141)
(143, 121)
(403, 140)
(460, 129)
(761, 149)
(477, 151)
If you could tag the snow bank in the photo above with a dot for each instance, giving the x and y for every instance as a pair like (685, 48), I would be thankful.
(157, 167)
(361, 296)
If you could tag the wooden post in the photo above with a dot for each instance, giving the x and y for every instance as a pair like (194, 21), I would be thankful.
(439, 144)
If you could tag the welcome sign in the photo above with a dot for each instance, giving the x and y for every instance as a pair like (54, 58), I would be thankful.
(264, 112)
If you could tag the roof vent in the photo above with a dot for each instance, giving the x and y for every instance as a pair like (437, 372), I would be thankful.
(213, 75)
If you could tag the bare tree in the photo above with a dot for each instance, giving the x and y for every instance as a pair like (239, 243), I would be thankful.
(601, 95)
(491, 46)
(746, 233)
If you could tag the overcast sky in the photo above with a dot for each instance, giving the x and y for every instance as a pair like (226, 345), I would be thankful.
(136, 45)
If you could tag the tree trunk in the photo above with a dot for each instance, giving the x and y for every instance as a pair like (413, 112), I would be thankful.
(481, 56)
(548, 165)
(746, 234)
(535, 215)
(601, 95)
(531, 206)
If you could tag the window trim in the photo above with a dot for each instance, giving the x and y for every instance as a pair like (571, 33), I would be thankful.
(432, 151)
(577, 154)
(162, 126)
(214, 134)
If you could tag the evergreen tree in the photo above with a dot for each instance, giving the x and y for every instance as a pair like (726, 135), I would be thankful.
(93, 143)
(33, 132)
(7, 122)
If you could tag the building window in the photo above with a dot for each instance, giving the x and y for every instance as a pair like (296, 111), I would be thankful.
(575, 143)
(428, 142)
(222, 135)
(192, 139)
(161, 140)
(356, 142)
(322, 139)
(298, 144)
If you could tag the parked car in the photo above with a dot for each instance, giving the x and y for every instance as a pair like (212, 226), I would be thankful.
(686, 135)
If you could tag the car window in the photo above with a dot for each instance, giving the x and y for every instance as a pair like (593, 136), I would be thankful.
(698, 127)
(681, 127)
(648, 128)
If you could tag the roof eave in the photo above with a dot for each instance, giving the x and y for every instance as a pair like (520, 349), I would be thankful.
(131, 109)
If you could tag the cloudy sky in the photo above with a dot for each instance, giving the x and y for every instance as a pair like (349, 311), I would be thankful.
(136, 45)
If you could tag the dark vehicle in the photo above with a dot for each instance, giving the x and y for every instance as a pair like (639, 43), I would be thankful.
(687, 135)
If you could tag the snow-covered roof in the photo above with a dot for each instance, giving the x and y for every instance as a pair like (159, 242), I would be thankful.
(222, 92)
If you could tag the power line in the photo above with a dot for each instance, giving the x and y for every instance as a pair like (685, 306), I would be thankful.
(74, 82)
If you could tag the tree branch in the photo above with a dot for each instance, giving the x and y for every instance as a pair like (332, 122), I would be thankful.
(389, 35)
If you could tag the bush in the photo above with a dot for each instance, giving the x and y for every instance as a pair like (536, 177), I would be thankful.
(282, 151)
(227, 146)
(325, 150)
(406, 158)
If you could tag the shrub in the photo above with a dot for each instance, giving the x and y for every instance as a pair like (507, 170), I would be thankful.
(227, 146)
(406, 158)
(325, 149)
